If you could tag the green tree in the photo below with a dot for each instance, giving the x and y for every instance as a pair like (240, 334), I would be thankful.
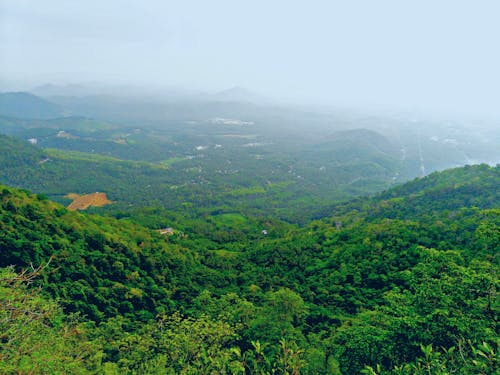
(35, 336)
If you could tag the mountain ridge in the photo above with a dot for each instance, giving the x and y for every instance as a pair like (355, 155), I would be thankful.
(27, 106)
(347, 290)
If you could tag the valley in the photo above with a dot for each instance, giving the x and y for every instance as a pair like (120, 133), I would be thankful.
(222, 237)
(249, 187)
(290, 165)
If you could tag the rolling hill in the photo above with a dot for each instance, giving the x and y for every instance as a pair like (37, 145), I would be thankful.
(373, 284)
(27, 106)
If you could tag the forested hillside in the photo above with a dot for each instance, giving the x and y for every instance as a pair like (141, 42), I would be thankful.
(27, 106)
(402, 283)
(241, 178)
(198, 156)
(249, 187)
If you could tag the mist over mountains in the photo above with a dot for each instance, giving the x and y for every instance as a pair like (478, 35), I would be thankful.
(273, 229)
(265, 187)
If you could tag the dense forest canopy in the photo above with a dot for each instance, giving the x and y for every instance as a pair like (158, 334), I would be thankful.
(238, 244)
(249, 187)
(379, 283)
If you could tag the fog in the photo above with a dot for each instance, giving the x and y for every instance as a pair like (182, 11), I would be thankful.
(422, 55)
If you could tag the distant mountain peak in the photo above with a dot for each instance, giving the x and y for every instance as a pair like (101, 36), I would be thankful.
(50, 89)
(235, 90)
(238, 94)
(26, 105)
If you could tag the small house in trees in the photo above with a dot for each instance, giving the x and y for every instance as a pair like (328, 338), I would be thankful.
(166, 231)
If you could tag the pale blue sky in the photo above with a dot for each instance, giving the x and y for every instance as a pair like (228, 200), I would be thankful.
(435, 54)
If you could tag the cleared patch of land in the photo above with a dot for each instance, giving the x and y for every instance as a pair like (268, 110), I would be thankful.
(229, 219)
(82, 202)
(97, 158)
(168, 162)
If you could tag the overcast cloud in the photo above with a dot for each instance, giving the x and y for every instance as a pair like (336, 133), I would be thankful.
(435, 54)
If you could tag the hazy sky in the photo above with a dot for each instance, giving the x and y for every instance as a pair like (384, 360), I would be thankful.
(422, 53)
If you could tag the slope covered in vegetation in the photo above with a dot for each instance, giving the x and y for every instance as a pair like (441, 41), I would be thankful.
(27, 106)
(403, 283)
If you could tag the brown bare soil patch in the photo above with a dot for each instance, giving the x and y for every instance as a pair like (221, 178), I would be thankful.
(82, 202)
